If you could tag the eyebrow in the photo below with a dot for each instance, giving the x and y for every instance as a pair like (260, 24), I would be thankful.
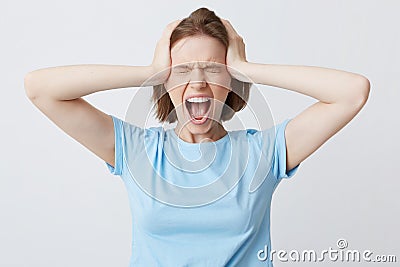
(183, 66)
(202, 64)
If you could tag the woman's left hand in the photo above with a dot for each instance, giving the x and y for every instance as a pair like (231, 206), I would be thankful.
(236, 54)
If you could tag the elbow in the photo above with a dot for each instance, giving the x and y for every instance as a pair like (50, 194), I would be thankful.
(30, 92)
(359, 92)
(364, 87)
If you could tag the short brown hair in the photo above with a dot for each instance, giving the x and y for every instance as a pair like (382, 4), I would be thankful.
(201, 21)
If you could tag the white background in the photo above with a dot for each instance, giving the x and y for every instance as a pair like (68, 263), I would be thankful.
(61, 207)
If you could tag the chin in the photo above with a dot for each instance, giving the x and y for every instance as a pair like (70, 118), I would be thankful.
(201, 129)
(196, 127)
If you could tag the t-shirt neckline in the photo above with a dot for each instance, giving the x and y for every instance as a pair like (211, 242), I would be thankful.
(184, 143)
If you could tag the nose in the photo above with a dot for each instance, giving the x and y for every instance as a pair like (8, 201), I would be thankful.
(197, 78)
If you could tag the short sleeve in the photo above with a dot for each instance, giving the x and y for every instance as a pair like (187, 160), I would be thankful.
(118, 132)
(279, 160)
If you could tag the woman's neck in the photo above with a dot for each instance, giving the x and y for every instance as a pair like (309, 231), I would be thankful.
(214, 133)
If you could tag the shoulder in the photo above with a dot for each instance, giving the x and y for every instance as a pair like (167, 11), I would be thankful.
(252, 133)
(259, 140)
(131, 131)
(253, 138)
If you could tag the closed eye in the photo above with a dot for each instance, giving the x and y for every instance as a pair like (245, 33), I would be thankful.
(184, 71)
(181, 70)
(213, 69)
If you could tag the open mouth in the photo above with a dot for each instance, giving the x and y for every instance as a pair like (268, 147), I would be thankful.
(198, 109)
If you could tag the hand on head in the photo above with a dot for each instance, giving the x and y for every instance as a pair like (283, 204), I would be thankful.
(236, 53)
(162, 58)
(235, 56)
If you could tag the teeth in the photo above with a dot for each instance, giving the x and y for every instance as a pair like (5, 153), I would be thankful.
(198, 99)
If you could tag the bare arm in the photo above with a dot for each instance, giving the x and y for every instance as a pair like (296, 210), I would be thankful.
(58, 92)
(341, 96)
(74, 81)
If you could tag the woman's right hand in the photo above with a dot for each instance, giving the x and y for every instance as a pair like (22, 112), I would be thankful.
(161, 65)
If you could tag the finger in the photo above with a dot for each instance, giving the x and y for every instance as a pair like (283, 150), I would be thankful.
(231, 31)
(170, 28)
(228, 25)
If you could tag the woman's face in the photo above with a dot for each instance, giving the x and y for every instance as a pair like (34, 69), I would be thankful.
(199, 82)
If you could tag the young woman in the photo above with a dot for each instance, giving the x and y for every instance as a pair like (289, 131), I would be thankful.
(199, 195)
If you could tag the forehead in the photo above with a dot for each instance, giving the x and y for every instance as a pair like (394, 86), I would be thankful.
(198, 48)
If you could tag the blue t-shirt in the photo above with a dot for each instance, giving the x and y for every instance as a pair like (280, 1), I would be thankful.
(200, 204)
